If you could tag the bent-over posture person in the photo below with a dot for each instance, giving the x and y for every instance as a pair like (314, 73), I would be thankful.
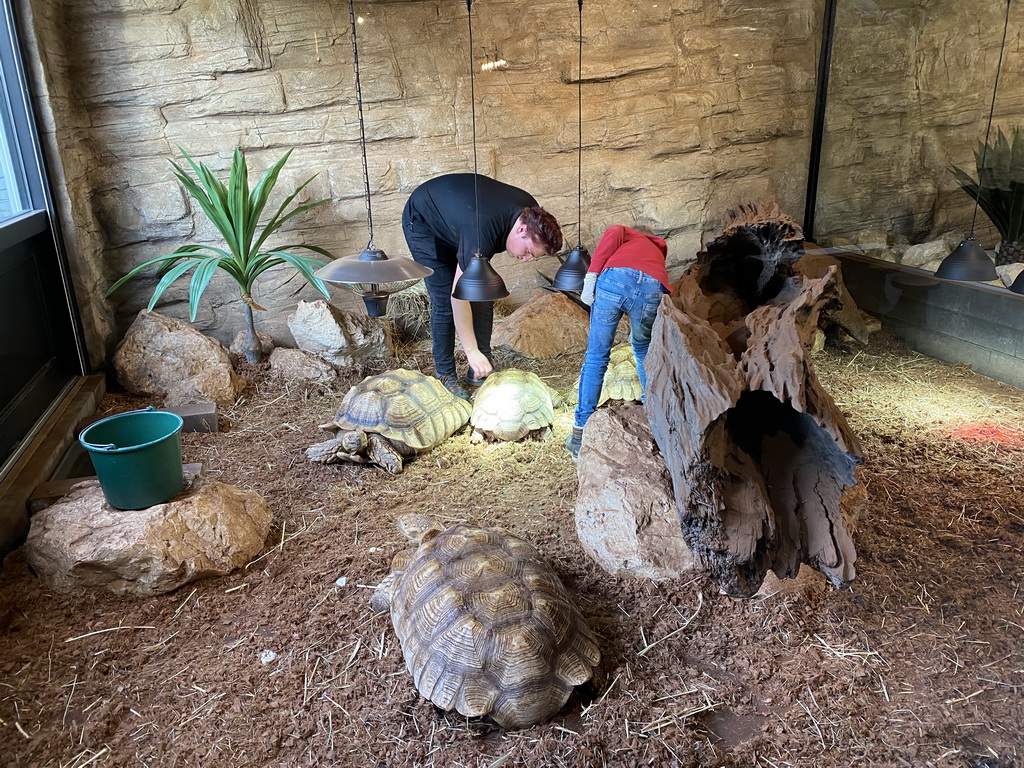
(627, 275)
(443, 229)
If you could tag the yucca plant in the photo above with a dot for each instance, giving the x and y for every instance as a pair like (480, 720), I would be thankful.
(999, 190)
(235, 211)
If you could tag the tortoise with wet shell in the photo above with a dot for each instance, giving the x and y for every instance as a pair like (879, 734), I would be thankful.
(389, 417)
(511, 405)
(485, 624)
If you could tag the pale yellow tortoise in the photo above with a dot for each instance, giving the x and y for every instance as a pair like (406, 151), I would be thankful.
(485, 624)
(511, 405)
(389, 417)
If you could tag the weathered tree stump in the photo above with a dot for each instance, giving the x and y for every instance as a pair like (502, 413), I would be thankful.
(759, 453)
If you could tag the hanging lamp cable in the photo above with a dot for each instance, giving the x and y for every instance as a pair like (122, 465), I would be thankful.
(472, 109)
(579, 153)
(991, 111)
(362, 129)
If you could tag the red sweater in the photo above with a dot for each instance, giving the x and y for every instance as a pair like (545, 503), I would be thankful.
(624, 247)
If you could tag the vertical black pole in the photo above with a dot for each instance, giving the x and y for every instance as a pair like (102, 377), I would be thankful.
(820, 103)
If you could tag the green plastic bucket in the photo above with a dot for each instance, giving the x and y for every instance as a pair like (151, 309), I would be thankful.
(137, 457)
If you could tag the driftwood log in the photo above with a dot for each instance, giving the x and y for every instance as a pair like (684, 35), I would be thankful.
(759, 453)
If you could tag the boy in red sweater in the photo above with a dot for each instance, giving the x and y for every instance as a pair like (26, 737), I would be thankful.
(627, 276)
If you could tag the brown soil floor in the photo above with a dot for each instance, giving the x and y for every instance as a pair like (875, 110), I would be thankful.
(920, 663)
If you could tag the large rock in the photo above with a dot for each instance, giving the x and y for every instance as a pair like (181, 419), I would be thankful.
(626, 516)
(299, 365)
(169, 358)
(338, 337)
(548, 325)
(208, 530)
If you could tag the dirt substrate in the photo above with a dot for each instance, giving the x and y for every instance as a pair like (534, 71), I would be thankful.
(920, 663)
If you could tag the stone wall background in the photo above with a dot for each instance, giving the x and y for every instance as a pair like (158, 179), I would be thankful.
(689, 107)
(909, 94)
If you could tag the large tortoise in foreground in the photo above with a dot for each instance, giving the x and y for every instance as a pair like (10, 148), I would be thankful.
(389, 417)
(485, 624)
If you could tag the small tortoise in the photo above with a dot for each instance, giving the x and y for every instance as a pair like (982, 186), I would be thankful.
(512, 404)
(621, 380)
(485, 624)
(385, 418)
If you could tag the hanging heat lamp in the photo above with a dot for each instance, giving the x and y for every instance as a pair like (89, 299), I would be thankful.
(370, 273)
(570, 275)
(968, 261)
(479, 281)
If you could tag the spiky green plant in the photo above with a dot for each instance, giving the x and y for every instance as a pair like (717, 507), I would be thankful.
(235, 211)
(999, 189)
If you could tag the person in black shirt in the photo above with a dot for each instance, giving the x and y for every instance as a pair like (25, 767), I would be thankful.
(443, 229)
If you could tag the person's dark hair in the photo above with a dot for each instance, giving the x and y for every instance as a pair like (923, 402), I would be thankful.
(543, 228)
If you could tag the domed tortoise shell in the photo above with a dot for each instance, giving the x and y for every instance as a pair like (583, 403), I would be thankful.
(485, 625)
(621, 380)
(512, 404)
(398, 413)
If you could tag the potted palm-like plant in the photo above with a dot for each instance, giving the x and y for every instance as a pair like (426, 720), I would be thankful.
(235, 211)
(999, 190)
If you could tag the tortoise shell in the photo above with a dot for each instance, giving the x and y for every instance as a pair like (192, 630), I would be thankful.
(621, 380)
(512, 404)
(415, 412)
(487, 628)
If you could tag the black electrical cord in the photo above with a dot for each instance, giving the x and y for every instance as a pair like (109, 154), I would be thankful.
(472, 107)
(362, 129)
(579, 153)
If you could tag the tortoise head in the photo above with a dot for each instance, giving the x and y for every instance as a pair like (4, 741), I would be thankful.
(418, 527)
(353, 441)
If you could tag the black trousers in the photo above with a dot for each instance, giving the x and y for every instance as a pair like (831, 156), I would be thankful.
(442, 257)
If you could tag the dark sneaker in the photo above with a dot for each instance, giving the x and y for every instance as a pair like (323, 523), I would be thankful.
(473, 381)
(453, 385)
(574, 441)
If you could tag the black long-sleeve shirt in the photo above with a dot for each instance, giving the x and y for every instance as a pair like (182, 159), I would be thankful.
(447, 205)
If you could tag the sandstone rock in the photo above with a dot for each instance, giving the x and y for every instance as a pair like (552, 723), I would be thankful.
(548, 325)
(208, 530)
(299, 365)
(1008, 272)
(167, 357)
(626, 516)
(340, 338)
(923, 254)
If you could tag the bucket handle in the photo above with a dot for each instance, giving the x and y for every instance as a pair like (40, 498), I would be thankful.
(111, 446)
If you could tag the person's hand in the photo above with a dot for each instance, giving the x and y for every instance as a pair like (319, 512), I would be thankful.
(589, 288)
(479, 363)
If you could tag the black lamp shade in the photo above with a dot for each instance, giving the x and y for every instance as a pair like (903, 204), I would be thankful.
(372, 275)
(968, 262)
(569, 276)
(480, 282)
(1017, 286)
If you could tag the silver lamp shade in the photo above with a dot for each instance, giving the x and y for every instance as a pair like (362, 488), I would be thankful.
(372, 275)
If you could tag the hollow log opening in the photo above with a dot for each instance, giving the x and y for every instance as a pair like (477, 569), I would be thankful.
(759, 453)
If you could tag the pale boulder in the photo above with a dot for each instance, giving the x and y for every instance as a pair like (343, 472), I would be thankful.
(340, 338)
(208, 530)
(169, 358)
(626, 516)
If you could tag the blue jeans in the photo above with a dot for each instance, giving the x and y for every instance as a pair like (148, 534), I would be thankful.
(620, 291)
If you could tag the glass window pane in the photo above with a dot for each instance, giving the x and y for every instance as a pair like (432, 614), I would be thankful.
(14, 198)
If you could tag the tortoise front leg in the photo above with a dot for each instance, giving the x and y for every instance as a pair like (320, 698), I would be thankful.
(384, 454)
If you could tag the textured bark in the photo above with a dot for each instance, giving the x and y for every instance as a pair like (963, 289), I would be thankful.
(759, 453)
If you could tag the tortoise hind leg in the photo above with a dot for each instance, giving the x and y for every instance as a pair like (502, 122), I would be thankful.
(384, 454)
